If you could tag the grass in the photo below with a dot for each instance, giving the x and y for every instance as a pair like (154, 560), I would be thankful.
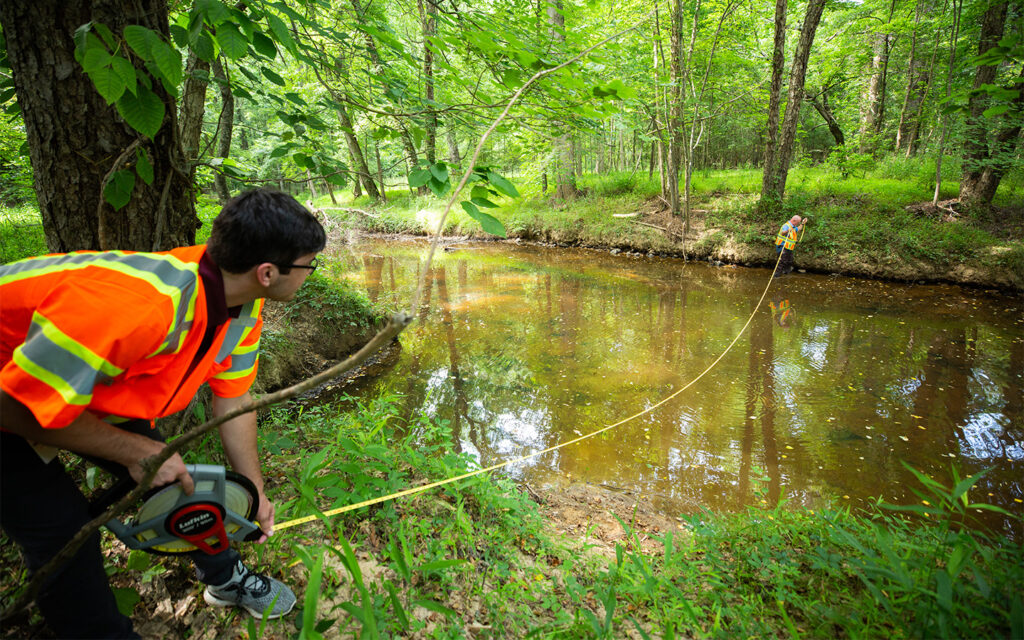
(476, 558)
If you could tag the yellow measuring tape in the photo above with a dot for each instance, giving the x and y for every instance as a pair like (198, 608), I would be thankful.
(414, 490)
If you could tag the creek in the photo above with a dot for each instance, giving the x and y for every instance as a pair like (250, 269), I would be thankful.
(836, 382)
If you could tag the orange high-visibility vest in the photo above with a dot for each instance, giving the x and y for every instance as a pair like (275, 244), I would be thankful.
(115, 333)
(787, 235)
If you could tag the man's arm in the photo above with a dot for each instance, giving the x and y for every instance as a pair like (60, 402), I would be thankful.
(238, 436)
(89, 435)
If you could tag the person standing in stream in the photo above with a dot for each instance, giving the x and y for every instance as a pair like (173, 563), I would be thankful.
(786, 241)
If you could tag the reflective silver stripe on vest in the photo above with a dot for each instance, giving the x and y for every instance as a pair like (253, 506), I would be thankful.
(236, 331)
(244, 361)
(78, 374)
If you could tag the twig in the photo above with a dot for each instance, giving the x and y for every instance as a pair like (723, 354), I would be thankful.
(653, 226)
(152, 464)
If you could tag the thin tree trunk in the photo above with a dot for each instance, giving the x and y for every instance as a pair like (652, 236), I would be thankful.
(957, 12)
(768, 188)
(193, 106)
(225, 127)
(356, 153)
(675, 118)
(821, 106)
(917, 82)
(428, 18)
(453, 148)
(796, 96)
(565, 163)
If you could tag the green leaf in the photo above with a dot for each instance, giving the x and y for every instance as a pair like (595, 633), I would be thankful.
(997, 110)
(141, 40)
(489, 223)
(437, 187)
(107, 83)
(126, 599)
(143, 166)
(294, 97)
(502, 185)
(139, 560)
(119, 190)
(281, 150)
(281, 33)
(180, 35)
(396, 604)
(264, 45)
(433, 605)
(215, 11)
(439, 171)
(95, 58)
(231, 41)
(480, 191)
(168, 60)
(419, 178)
(204, 47)
(273, 77)
(123, 68)
(143, 112)
(483, 202)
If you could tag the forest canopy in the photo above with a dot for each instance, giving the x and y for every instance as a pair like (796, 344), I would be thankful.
(133, 107)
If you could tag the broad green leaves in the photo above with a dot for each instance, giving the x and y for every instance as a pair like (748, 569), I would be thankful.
(489, 183)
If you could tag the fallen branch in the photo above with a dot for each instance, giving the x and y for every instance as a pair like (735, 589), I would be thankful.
(625, 215)
(653, 226)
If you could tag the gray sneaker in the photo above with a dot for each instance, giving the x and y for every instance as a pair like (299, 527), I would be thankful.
(254, 592)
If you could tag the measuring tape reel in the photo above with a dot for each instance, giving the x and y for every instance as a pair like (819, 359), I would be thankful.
(221, 509)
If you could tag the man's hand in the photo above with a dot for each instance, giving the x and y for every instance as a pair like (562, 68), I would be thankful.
(265, 516)
(89, 435)
(172, 470)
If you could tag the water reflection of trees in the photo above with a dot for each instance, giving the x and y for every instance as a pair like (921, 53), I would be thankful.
(841, 385)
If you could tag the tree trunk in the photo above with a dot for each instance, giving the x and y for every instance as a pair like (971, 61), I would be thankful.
(565, 162)
(798, 73)
(675, 117)
(380, 173)
(75, 139)
(428, 18)
(958, 6)
(918, 79)
(821, 106)
(768, 192)
(874, 109)
(453, 148)
(225, 127)
(982, 169)
(356, 153)
(193, 106)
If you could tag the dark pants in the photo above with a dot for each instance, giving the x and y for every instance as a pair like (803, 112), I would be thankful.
(786, 263)
(41, 509)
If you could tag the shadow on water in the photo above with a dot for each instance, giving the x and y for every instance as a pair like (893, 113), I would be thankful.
(837, 381)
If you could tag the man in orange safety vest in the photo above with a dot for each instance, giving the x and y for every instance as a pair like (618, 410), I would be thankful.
(96, 345)
(786, 241)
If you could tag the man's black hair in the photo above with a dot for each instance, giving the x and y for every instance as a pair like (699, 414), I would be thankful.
(263, 225)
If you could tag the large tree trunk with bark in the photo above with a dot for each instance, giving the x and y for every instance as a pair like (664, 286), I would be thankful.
(987, 155)
(76, 140)
(776, 176)
(774, 102)
(225, 127)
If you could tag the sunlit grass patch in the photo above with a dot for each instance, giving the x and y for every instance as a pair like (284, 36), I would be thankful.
(21, 233)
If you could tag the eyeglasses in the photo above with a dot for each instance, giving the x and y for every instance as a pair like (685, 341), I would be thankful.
(313, 264)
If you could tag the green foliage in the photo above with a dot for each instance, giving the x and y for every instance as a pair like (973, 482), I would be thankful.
(21, 233)
(333, 302)
(791, 571)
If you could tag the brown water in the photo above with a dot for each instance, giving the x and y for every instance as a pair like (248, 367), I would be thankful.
(835, 382)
